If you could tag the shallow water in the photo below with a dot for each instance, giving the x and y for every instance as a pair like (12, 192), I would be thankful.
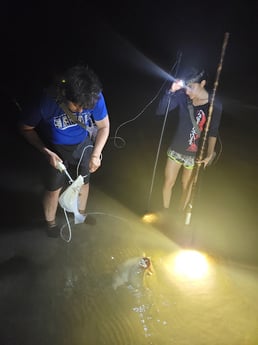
(54, 292)
(58, 292)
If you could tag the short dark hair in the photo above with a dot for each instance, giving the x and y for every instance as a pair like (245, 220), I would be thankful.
(81, 86)
(194, 75)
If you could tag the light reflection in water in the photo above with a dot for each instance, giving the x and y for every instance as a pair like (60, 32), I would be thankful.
(191, 264)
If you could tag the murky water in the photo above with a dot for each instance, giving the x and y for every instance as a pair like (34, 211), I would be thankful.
(54, 292)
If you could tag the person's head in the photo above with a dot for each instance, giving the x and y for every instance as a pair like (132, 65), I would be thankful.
(195, 80)
(80, 88)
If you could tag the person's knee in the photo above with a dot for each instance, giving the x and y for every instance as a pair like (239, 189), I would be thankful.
(85, 186)
(169, 184)
(52, 194)
(184, 187)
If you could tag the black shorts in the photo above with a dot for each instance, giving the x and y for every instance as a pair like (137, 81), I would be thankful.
(75, 158)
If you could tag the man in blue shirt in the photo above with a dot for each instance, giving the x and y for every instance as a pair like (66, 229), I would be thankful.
(59, 126)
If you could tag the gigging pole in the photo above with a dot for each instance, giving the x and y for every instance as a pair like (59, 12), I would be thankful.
(205, 135)
(161, 137)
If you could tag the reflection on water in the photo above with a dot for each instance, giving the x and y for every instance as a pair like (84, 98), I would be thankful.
(67, 295)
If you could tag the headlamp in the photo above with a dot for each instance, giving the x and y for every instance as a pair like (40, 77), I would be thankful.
(182, 83)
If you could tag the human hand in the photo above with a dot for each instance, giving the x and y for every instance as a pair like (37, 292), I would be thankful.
(204, 161)
(176, 85)
(94, 164)
(207, 160)
(53, 158)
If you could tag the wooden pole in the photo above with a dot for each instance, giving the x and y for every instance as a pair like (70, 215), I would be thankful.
(201, 151)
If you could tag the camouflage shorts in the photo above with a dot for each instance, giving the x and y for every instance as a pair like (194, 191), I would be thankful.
(186, 161)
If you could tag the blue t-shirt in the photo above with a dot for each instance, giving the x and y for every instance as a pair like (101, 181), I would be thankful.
(56, 127)
(185, 139)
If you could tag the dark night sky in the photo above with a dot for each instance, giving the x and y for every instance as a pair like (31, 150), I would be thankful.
(125, 43)
(122, 41)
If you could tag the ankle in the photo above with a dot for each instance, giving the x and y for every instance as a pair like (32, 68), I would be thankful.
(51, 223)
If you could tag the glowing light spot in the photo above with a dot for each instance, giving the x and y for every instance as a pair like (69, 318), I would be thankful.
(150, 218)
(191, 264)
(181, 83)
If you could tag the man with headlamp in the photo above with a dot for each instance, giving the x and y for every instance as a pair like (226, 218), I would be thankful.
(192, 100)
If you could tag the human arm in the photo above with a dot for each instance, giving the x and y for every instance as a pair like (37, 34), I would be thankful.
(100, 141)
(169, 101)
(213, 133)
(31, 135)
(210, 151)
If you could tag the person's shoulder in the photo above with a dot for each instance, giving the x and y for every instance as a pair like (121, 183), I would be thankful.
(217, 107)
(101, 97)
(101, 100)
(218, 102)
(48, 103)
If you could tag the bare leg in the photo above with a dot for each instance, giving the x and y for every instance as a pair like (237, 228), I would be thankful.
(50, 203)
(187, 182)
(171, 172)
(83, 198)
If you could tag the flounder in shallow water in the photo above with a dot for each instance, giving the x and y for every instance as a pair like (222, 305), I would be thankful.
(132, 272)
